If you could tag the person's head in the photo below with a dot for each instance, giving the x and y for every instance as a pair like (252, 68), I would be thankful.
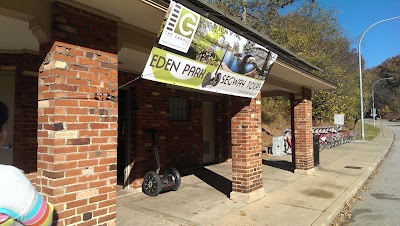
(3, 122)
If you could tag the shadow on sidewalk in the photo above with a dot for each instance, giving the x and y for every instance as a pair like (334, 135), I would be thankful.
(215, 180)
(280, 164)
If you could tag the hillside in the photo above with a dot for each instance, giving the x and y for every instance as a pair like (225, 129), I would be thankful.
(387, 92)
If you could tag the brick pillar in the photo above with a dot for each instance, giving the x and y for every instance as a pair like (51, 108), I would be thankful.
(77, 134)
(246, 150)
(303, 155)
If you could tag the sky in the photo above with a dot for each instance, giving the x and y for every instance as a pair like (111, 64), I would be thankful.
(382, 41)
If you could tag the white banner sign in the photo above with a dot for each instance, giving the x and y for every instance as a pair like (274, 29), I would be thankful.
(198, 53)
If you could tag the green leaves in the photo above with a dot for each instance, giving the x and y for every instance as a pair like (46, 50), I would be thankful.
(387, 92)
(314, 34)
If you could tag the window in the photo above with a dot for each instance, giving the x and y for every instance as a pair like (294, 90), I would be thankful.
(178, 109)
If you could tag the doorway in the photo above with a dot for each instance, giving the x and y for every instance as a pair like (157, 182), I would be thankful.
(208, 133)
(7, 95)
(123, 138)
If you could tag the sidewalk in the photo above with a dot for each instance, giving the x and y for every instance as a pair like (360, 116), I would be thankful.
(290, 199)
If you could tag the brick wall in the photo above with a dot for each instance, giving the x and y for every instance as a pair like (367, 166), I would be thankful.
(77, 134)
(77, 126)
(26, 67)
(304, 158)
(78, 27)
(180, 141)
(246, 144)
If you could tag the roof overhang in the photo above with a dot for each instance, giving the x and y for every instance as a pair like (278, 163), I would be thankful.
(137, 33)
(285, 78)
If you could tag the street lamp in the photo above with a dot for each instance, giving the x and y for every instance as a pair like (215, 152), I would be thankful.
(373, 98)
(359, 63)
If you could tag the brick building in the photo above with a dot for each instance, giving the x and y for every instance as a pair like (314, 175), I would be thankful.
(76, 135)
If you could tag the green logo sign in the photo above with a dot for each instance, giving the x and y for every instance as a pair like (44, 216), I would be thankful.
(187, 23)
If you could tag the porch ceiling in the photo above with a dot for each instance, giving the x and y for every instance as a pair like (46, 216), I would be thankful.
(138, 24)
(16, 35)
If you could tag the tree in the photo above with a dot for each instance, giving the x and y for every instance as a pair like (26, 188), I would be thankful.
(255, 13)
(314, 34)
(387, 92)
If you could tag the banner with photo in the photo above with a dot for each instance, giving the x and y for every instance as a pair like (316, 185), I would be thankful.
(195, 52)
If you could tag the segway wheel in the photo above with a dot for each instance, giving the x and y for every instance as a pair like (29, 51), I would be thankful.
(173, 175)
(216, 79)
(206, 80)
(151, 185)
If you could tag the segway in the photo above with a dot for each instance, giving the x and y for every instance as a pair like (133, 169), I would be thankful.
(153, 183)
(210, 80)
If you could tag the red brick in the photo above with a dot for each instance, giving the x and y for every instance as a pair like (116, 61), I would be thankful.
(65, 58)
(76, 156)
(98, 198)
(100, 212)
(87, 208)
(73, 220)
(77, 126)
(101, 168)
(53, 191)
(87, 103)
(75, 52)
(66, 213)
(99, 71)
(73, 172)
(77, 111)
(110, 217)
(63, 87)
(88, 178)
(88, 118)
(108, 161)
(90, 162)
(99, 125)
(90, 133)
(76, 187)
(108, 189)
(62, 199)
(97, 154)
(99, 140)
(77, 203)
(89, 62)
(107, 203)
(63, 165)
(97, 184)
(63, 150)
(88, 223)
(63, 118)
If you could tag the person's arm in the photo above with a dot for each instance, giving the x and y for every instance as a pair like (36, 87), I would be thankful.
(20, 201)
(40, 213)
(5, 220)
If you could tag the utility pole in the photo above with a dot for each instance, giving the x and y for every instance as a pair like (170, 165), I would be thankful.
(359, 63)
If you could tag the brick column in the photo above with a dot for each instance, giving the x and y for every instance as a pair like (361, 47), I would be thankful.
(304, 159)
(77, 134)
(247, 150)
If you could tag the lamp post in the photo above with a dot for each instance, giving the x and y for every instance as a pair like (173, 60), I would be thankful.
(373, 98)
(359, 63)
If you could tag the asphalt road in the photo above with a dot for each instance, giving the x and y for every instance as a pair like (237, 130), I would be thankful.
(381, 201)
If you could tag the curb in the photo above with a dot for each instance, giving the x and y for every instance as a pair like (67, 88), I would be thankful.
(334, 210)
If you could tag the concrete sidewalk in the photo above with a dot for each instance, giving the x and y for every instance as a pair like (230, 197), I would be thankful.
(290, 199)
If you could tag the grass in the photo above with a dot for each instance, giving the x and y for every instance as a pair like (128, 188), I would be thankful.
(370, 132)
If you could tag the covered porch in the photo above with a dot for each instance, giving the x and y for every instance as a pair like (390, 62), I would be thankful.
(62, 63)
